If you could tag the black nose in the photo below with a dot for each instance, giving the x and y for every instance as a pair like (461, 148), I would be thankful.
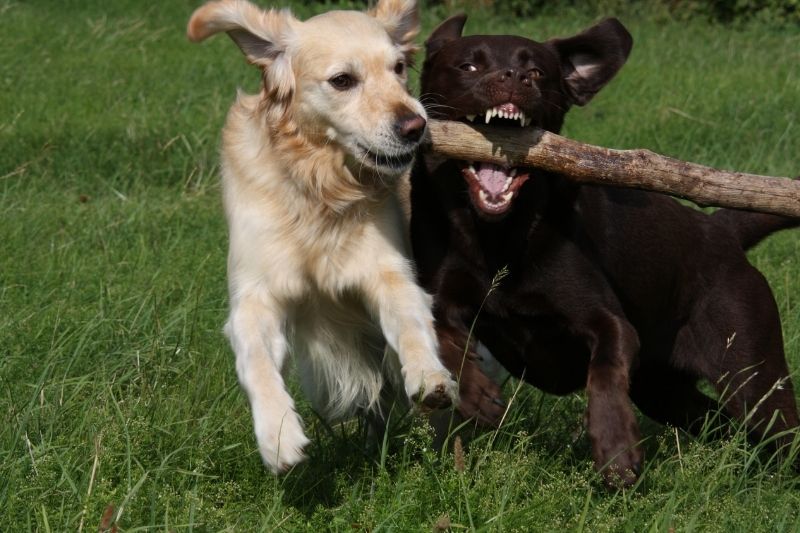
(512, 75)
(410, 127)
(509, 73)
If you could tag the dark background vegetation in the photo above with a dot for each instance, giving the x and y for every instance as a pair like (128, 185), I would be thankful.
(780, 12)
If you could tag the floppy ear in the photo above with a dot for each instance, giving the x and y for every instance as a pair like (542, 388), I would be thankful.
(448, 30)
(401, 20)
(591, 58)
(261, 35)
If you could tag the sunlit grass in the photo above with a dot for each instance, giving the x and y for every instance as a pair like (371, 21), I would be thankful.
(118, 388)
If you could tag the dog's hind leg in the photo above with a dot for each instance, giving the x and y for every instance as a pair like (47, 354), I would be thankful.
(256, 331)
(671, 396)
(737, 331)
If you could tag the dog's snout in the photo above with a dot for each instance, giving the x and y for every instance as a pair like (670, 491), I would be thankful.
(410, 127)
(511, 75)
(508, 74)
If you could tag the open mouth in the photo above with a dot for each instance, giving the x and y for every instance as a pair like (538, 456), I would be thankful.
(493, 188)
(504, 112)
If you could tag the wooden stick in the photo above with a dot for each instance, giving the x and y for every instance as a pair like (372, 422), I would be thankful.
(638, 169)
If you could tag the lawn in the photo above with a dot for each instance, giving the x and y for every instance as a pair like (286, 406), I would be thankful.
(117, 387)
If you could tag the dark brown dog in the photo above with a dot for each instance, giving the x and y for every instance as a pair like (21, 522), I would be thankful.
(626, 293)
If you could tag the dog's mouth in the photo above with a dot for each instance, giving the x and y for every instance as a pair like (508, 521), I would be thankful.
(492, 188)
(387, 163)
(503, 114)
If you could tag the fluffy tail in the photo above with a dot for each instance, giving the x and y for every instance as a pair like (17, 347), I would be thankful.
(752, 228)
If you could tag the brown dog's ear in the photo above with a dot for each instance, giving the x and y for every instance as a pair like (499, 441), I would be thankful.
(591, 58)
(401, 20)
(448, 30)
(261, 35)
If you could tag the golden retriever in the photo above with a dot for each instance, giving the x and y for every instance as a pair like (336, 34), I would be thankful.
(317, 264)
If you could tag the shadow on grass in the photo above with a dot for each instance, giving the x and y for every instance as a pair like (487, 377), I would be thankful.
(342, 457)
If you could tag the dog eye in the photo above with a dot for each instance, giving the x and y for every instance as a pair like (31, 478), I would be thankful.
(468, 67)
(399, 68)
(536, 73)
(342, 82)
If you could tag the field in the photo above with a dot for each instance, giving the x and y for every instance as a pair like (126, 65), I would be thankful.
(117, 387)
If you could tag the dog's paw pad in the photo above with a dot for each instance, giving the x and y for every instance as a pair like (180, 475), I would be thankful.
(616, 479)
(434, 389)
(624, 471)
(438, 398)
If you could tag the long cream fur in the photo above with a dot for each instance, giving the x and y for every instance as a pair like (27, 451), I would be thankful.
(317, 265)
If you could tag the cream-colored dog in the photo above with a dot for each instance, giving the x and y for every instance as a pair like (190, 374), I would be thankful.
(317, 264)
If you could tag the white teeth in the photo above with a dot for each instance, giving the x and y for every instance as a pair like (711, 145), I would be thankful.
(512, 172)
(472, 169)
(471, 118)
(497, 112)
(503, 199)
(507, 184)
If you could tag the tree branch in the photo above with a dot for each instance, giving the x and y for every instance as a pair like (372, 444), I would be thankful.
(638, 169)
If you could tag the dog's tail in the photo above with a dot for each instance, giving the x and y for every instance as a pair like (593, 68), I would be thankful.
(751, 228)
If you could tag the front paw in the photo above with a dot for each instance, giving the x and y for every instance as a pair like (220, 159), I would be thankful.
(480, 398)
(281, 441)
(615, 449)
(433, 390)
(622, 470)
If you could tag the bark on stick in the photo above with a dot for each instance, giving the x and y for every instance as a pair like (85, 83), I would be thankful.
(638, 169)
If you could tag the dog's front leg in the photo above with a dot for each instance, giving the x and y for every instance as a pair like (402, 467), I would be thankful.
(479, 396)
(256, 331)
(404, 312)
(612, 426)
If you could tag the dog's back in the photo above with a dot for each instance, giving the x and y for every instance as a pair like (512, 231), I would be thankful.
(751, 228)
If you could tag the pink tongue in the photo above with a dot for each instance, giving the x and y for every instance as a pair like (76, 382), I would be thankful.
(492, 178)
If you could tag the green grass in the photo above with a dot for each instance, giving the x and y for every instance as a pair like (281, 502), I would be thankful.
(117, 386)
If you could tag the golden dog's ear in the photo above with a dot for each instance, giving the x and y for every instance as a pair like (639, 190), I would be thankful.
(401, 20)
(262, 36)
